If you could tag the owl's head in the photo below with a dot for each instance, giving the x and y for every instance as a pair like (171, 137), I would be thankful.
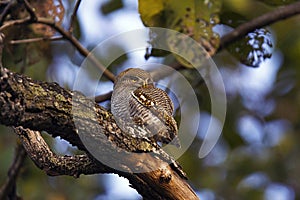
(133, 77)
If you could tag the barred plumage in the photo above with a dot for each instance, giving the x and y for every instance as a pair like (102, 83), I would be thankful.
(141, 109)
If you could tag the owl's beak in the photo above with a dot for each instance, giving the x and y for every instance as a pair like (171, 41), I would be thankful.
(146, 81)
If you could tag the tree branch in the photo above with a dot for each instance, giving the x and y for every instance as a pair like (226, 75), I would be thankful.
(103, 97)
(53, 164)
(41, 106)
(30, 10)
(73, 16)
(259, 22)
(9, 187)
(5, 11)
(30, 40)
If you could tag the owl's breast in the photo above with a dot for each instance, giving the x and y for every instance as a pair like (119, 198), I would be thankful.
(120, 103)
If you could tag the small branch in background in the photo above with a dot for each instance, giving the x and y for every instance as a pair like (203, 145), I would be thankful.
(259, 22)
(9, 186)
(73, 16)
(5, 10)
(103, 97)
(30, 10)
(30, 40)
(2, 37)
(78, 45)
(4, 1)
(10, 23)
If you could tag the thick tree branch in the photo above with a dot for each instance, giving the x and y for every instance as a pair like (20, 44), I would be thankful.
(53, 164)
(47, 107)
(259, 22)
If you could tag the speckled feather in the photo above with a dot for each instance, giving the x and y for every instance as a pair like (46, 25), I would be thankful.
(152, 109)
(141, 109)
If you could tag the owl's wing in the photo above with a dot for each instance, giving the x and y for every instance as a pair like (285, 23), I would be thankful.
(151, 96)
(151, 108)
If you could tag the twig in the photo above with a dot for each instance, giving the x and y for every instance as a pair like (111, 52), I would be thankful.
(5, 1)
(261, 21)
(30, 10)
(71, 38)
(30, 40)
(10, 23)
(5, 11)
(103, 97)
(78, 45)
(2, 37)
(9, 186)
(73, 16)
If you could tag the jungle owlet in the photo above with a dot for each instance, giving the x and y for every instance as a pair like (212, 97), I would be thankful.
(141, 109)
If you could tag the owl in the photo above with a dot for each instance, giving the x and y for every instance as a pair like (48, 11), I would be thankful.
(142, 110)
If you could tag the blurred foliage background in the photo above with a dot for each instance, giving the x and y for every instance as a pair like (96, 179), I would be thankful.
(257, 156)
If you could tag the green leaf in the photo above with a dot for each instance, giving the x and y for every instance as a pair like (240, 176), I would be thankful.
(193, 18)
(151, 12)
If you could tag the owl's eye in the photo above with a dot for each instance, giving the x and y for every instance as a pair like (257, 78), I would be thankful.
(134, 79)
